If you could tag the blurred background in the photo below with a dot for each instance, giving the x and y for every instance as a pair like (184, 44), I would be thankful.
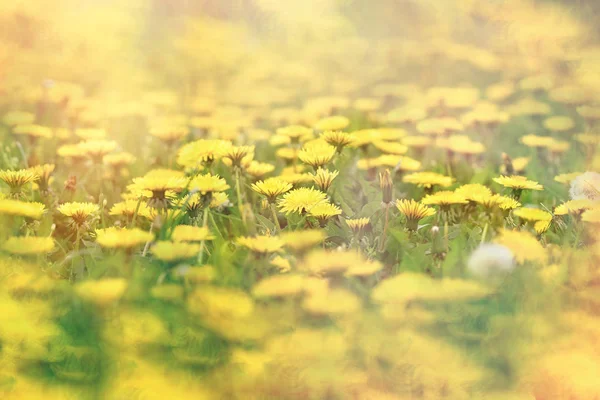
(118, 47)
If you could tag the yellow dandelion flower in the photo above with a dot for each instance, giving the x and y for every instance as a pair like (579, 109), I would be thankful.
(364, 268)
(317, 154)
(208, 183)
(338, 139)
(258, 169)
(33, 131)
(514, 166)
(290, 285)
(452, 97)
(287, 153)
(417, 142)
(428, 179)
(537, 141)
(518, 182)
(261, 244)
(117, 238)
(499, 92)
(198, 275)
(502, 202)
(484, 114)
(170, 133)
(567, 178)
(414, 212)
(323, 178)
(21, 208)
(409, 286)
(221, 302)
(97, 149)
(333, 123)
(473, 191)
(119, 160)
(439, 126)
(324, 210)
(591, 113)
(406, 114)
(279, 140)
(592, 215)
(72, 152)
(189, 233)
(367, 104)
(272, 188)
(79, 212)
(202, 152)
(575, 206)
(524, 246)
(301, 200)
(295, 132)
(460, 144)
(358, 225)
(258, 134)
(175, 251)
(390, 147)
(528, 106)
(568, 94)
(128, 209)
(195, 202)
(559, 123)
(444, 199)
(239, 156)
(102, 292)
(300, 241)
(28, 245)
(559, 146)
(332, 302)
(219, 200)
(364, 137)
(44, 173)
(13, 118)
(295, 178)
(17, 179)
(158, 184)
(532, 214)
(505, 202)
(283, 264)
(91, 133)
(541, 226)
(400, 163)
(325, 263)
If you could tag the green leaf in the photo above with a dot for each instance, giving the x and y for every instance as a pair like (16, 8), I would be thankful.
(267, 223)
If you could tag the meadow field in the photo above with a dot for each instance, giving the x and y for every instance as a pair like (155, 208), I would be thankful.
(316, 199)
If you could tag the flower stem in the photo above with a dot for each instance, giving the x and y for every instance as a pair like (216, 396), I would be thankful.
(275, 218)
(484, 233)
(239, 196)
(446, 239)
(147, 245)
(77, 239)
(204, 224)
(385, 228)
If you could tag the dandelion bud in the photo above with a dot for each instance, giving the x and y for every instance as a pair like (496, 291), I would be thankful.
(508, 165)
(387, 186)
(71, 183)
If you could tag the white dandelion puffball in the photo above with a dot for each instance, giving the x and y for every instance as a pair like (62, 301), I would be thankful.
(490, 260)
(586, 186)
